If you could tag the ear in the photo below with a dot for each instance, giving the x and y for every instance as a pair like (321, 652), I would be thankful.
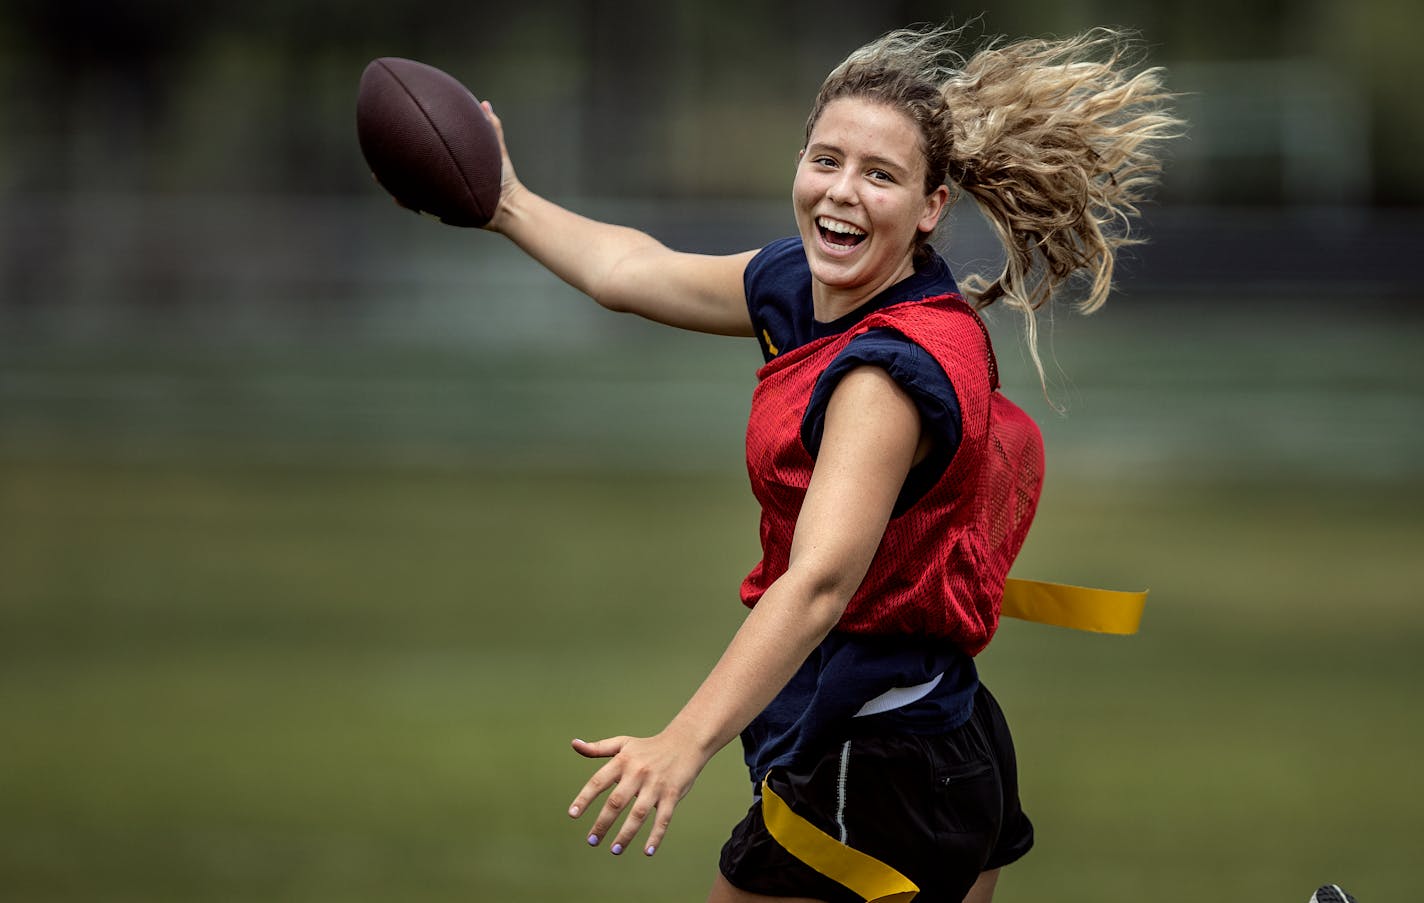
(935, 202)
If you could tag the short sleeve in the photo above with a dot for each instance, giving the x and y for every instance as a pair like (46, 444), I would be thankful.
(777, 282)
(921, 377)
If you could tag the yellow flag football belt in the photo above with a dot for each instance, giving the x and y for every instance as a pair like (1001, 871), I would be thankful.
(1077, 607)
(863, 874)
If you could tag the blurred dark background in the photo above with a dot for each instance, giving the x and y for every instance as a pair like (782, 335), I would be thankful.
(166, 157)
(324, 526)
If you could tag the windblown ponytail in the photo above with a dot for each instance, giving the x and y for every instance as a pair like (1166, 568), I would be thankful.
(1056, 140)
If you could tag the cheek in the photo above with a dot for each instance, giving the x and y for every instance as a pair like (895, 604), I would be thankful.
(894, 213)
(883, 214)
(803, 190)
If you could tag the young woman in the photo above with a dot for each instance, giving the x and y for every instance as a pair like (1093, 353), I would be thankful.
(896, 482)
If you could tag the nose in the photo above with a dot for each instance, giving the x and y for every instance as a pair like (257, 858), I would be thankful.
(842, 188)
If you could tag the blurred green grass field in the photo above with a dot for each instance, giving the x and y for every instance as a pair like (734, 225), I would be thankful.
(235, 667)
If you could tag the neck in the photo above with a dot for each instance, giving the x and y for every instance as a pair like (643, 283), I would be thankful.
(830, 303)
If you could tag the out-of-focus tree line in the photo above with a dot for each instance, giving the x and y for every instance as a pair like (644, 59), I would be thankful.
(650, 98)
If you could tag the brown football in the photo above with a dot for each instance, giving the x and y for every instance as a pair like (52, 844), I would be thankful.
(428, 142)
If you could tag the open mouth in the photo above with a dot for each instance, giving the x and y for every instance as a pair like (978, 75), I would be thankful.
(839, 234)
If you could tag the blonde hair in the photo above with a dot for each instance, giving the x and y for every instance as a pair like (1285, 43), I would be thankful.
(1056, 140)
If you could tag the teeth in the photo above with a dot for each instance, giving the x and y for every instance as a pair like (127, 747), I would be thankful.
(834, 225)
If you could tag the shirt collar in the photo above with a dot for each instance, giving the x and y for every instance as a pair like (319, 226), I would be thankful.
(930, 280)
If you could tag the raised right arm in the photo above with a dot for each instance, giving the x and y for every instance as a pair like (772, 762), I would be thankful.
(623, 269)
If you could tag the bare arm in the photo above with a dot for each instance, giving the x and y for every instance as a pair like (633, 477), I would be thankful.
(871, 438)
(621, 268)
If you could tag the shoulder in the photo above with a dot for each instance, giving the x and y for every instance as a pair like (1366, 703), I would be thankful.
(914, 370)
(777, 281)
(912, 367)
(950, 331)
(890, 349)
(783, 259)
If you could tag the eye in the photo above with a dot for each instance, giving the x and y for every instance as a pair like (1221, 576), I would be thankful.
(881, 175)
(823, 160)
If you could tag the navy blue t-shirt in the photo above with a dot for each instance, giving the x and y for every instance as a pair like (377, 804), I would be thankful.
(856, 684)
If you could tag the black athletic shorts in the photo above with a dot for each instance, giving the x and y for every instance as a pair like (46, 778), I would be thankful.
(938, 809)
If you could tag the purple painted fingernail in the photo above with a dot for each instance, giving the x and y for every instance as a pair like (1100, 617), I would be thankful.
(650, 850)
(617, 848)
(593, 840)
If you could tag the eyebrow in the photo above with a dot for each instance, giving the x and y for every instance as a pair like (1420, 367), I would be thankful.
(875, 159)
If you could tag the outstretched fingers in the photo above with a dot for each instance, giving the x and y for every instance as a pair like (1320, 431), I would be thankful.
(623, 797)
(638, 801)
(644, 779)
(661, 808)
(602, 779)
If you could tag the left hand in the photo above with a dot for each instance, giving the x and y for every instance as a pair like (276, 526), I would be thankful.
(645, 775)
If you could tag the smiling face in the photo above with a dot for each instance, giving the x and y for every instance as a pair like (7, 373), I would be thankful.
(860, 200)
